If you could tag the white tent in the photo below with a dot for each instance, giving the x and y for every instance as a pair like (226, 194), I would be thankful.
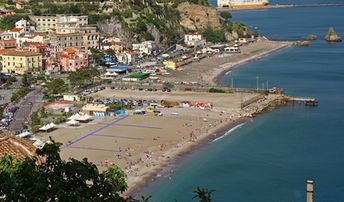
(74, 116)
(24, 134)
(47, 127)
(38, 143)
(111, 74)
(73, 122)
(83, 118)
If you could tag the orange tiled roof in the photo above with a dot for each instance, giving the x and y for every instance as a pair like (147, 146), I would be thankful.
(15, 147)
(16, 29)
(71, 50)
(21, 53)
(36, 44)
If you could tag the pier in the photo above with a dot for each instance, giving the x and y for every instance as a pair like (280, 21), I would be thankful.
(306, 101)
(280, 6)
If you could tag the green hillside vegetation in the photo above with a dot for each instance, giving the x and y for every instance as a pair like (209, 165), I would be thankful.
(147, 20)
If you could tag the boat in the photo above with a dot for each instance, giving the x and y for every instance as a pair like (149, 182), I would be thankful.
(241, 3)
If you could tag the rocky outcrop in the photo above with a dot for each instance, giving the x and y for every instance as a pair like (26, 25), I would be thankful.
(113, 27)
(302, 43)
(332, 36)
(311, 37)
(196, 17)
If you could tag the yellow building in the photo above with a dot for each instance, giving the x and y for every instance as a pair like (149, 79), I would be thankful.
(170, 65)
(20, 62)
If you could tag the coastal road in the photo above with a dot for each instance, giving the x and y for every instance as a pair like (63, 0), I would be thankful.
(22, 115)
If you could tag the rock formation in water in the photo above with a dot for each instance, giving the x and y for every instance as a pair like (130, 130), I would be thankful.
(332, 36)
(302, 43)
(311, 37)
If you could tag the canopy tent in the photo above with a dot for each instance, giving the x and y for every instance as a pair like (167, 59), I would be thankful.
(73, 122)
(80, 117)
(47, 127)
(24, 134)
(111, 74)
(38, 143)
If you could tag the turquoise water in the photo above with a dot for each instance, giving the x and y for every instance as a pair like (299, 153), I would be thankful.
(271, 158)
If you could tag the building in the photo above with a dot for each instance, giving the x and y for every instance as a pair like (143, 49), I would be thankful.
(16, 147)
(59, 41)
(145, 48)
(95, 110)
(126, 57)
(7, 44)
(15, 32)
(41, 48)
(32, 37)
(20, 5)
(91, 37)
(5, 36)
(194, 40)
(24, 24)
(73, 98)
(46, 22)
(20, 62)
(73, 59)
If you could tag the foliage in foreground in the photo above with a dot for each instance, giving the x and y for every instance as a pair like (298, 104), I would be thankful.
(59, 180)
(46, 177)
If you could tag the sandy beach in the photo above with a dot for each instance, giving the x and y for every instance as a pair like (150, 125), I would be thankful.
(143, 144)
(208, 70)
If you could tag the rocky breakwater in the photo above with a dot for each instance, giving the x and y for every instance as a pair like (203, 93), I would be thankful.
(332, 36)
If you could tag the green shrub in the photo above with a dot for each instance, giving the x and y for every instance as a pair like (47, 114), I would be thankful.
(216, 90)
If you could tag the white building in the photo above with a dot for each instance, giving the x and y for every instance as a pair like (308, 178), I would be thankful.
(24, 24)
(145, 48)
(31, 37)
(46, 22)
(126, 57)
(15, 32)
(194, 39)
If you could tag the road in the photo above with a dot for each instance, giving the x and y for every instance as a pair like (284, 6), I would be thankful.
(22, 115)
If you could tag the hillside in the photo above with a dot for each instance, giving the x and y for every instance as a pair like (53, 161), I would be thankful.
(140, 20)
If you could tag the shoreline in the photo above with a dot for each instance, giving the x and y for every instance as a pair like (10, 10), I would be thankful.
(230, 66)
(207, 71)
(136, 186)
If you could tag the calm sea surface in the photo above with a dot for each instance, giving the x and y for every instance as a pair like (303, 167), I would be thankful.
(271, 158)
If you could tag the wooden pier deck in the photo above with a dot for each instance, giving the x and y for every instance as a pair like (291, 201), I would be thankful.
(281, 6)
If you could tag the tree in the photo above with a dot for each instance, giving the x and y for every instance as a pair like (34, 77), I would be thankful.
(47, 177)
(25, 81)
(226, 15)
(168, 85)
(8, 22)
(83, 76)
(203, 194)
(214, 36)
(56, 86)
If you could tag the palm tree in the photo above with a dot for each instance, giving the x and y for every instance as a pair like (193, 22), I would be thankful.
(203, 194)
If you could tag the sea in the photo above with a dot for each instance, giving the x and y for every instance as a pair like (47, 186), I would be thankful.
(270, 158)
